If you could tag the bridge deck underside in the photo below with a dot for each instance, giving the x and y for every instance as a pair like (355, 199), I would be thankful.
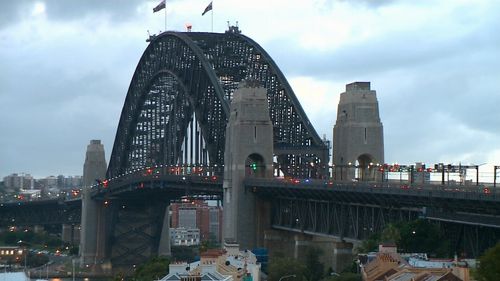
(44, 212)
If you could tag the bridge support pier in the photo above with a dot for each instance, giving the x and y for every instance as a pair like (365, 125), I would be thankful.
(334, 253)
(248, 153)
(164, 247)
(93, 230)
(70, 233)
(263, 220)
(93, 236)
(342, 256)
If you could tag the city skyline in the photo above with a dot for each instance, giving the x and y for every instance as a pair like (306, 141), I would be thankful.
(66, 68)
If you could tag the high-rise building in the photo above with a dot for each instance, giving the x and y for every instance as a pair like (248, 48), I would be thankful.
(19, 181)
(198, 214)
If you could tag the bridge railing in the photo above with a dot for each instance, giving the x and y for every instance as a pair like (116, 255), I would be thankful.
(183, 175)
(456, 191)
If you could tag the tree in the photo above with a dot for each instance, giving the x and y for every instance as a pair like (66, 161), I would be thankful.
(211, 243)
(489, 265)
(314, 268)
(154, 269)
(36, 260)
(369, 244)
(279, 267)
(10, 238)
(422, 236)
(183, 253)
(390, 234)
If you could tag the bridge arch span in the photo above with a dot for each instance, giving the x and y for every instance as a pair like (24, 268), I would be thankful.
(178, 100)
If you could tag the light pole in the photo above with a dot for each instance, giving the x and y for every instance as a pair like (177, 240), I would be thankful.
(287, 276)
(73, 263)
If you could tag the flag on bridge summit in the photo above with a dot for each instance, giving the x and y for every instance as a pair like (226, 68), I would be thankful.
(159, 7)
(208, 8)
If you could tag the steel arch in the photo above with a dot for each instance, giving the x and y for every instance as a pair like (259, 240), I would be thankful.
(186, 74)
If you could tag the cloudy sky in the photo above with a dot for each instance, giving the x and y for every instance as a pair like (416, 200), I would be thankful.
(65, 67)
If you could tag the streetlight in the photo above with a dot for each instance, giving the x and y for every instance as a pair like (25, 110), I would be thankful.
(73, 263)
(287, 276)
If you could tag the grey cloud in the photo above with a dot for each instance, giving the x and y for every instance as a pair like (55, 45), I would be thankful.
(65, 10)
(437, 92)
(444, 73)
(58, 10)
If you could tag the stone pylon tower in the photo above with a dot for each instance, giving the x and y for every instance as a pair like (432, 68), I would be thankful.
(93, 168)
(358, 137)
(248, 153)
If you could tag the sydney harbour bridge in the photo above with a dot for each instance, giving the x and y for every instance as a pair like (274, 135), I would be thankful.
(272, 170)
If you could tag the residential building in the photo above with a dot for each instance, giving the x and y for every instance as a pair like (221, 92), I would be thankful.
(228, 264)
(11, 254)
(18, 181)
(388, 265)
(184, 236)
(198, 214)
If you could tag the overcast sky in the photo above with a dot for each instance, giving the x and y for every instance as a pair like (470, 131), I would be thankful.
(65, 67)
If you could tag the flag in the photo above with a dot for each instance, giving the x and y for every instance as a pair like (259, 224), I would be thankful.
(208, 8)
(159, 7)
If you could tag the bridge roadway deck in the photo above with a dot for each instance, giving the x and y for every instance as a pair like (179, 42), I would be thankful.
(474, 204)
(441, 202)
(461, 204)
(173, 186)
(40, 212)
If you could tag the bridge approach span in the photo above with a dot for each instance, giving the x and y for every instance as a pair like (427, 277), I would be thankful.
(467, 205)
(41, 212)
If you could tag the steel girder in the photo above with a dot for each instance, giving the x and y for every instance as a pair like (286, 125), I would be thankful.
(470, 240)
(337, 219)
(46, 212)
(136, 231)
(350, 222)
(181, 75)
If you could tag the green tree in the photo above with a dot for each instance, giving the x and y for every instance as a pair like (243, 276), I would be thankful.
(390, 234)
(154, 269)
(11, 238)
(422, 236)
(209, 244)
(370, 244)
(314, 268)
(183, 253)
(489, 265)
(36, 260)
(279, 267)
(73, 250)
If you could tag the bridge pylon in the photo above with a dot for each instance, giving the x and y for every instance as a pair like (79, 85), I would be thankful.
(248, 153)
(358, 136)
(92, 248)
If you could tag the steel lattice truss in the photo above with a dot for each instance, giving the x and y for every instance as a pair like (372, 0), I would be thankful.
(349, 222)
(177, 105)
(136, 232)
(338, 219)
(46, 212)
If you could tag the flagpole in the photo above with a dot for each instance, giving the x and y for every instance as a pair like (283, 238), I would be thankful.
(212, 16)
